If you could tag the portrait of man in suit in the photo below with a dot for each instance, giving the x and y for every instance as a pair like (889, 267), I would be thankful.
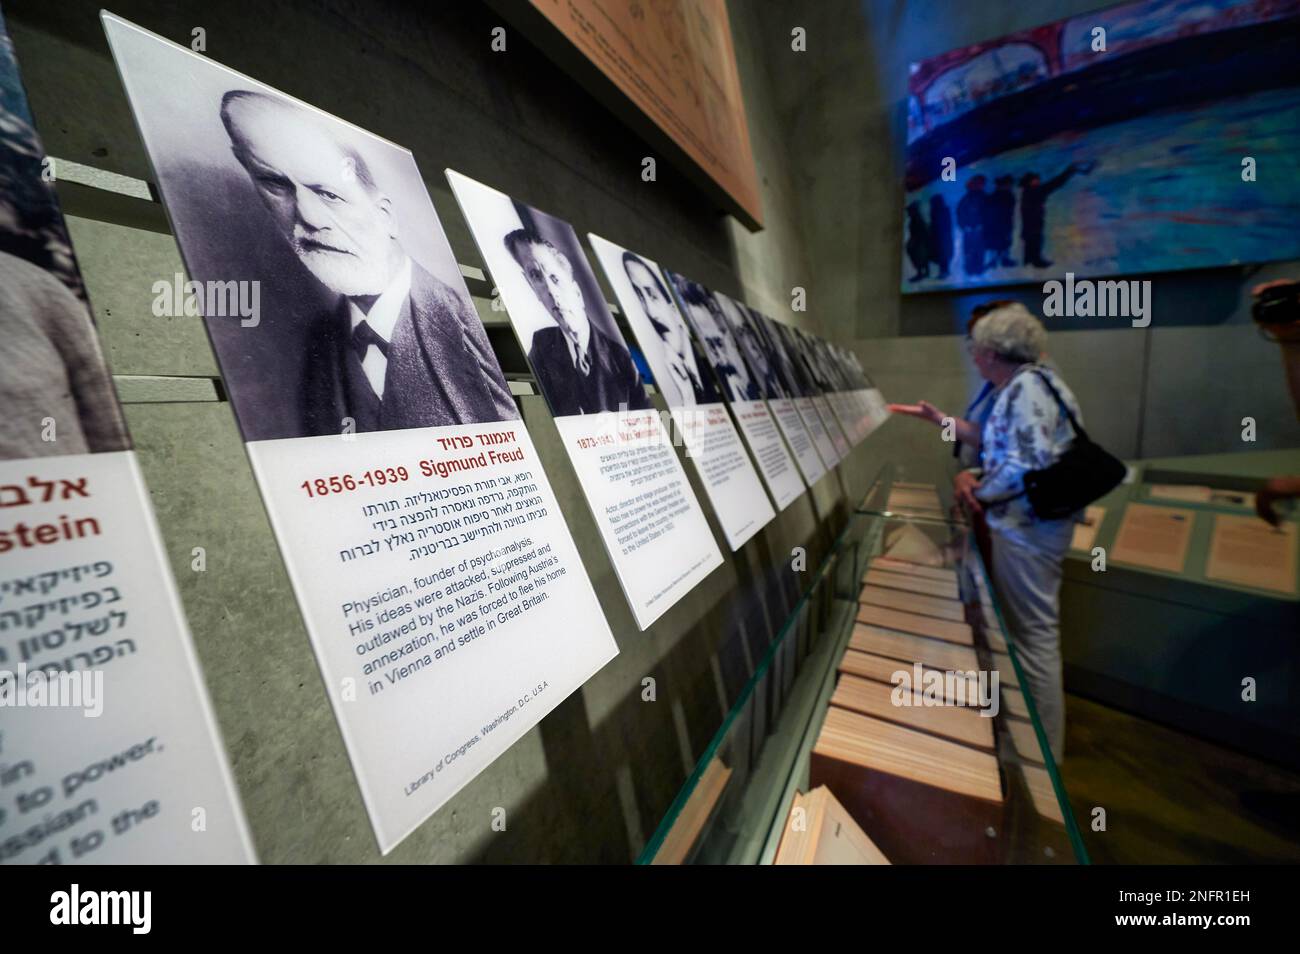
(704, 312)
(394, 346)
(678, 374)
(580, 369)
(746, 333)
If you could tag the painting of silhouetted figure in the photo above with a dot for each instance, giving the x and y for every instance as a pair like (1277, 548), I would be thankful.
(940, 234)
(1152, 156)
(970, 219)
(999, 222)
(1033, 208)
(918, 241)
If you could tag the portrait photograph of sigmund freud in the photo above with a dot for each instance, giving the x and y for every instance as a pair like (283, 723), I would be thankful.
(56, 395)
(365, 323)
(705, 313)
(679, 371)
(578, 355)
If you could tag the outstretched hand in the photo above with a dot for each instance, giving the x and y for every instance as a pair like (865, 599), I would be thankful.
(924, 410)
(1274, 492)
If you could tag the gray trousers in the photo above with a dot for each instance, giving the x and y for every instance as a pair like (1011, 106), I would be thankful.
(1027, 566)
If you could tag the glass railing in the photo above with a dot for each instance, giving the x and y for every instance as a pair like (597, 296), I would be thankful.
(835, 653)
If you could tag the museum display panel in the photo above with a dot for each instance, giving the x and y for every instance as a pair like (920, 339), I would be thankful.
(111, 752)
(782, 395)
(424, 542)
(711, 441)
(707, 313)
(399, 438)
(634, 483)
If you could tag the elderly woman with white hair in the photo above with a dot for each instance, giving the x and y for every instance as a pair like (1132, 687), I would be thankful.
(1027, 428)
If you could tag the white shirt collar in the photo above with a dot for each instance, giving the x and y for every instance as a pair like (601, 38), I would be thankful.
(584, 338)
(388, 306)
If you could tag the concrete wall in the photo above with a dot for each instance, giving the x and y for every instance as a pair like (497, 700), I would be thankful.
(1181, 386)
(592, 782)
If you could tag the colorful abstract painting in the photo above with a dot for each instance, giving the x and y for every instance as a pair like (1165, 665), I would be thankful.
(1147, 137)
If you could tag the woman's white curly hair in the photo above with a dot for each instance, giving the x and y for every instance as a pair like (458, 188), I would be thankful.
(1012, 333)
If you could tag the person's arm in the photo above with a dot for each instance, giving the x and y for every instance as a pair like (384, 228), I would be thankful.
(1274, 490)
(1029, 422)
(1051, 185)
(966, 432)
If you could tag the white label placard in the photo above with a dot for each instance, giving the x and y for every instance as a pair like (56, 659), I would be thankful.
(776, 368)
(729, 478)
(813, 421)
(756, 421)
(441, 589)
(774, 460)
(712, 316)
(796, 434)
(832, 425)
(109, 752)
(443, 595)
(108, 749)
(654, 531)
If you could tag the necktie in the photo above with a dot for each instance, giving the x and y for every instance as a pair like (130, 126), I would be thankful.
(363, 336)
(580, 356)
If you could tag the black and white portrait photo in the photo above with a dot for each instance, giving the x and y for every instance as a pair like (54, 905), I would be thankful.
(768, 339)
(574, 347)
(641, 289)
(704, 311)
(362, 321)
(800, 380)
(56, 396)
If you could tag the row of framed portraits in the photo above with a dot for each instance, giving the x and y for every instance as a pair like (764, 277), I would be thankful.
(442, 590)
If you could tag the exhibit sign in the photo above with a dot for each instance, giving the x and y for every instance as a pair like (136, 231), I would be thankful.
(851, 410)
(1154, 537)
(704, 312)
(782, 394)
(696, 409)
(824, 390)
(445, 600)
(839, 394)
(758, 422)
(877, 407)
(1246, 551)
(653, 528)
(669, 70)
(807, 398)
(109, 752)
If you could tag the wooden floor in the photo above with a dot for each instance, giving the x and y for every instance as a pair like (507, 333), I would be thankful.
(1171, 798)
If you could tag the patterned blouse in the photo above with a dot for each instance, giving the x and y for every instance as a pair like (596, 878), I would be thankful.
(1026, 430)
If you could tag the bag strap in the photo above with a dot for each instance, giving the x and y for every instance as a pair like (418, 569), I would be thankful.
(1078, 429)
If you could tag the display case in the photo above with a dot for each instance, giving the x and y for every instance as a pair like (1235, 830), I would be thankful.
(855, 741)
(1181, 606)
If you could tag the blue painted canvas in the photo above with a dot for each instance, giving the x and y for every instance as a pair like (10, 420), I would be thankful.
(1152, 136)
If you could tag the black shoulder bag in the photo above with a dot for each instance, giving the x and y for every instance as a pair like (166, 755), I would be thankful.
(1084, 473)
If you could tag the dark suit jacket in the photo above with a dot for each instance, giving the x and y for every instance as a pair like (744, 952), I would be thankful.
(612, 381)
(441, 369)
